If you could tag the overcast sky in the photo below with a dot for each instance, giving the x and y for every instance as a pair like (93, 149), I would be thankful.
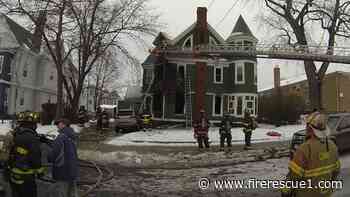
(179, 14)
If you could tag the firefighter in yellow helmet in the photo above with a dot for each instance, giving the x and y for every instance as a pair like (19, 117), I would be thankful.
(315, 160)
(24, 162)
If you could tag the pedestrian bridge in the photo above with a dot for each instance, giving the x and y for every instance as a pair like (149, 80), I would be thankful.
(272, 51)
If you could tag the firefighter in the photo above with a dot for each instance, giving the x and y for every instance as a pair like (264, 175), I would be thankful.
(4, 156)
(248, 126)
(147, 121)
(24, 163)
(225, 132)
(315, 160)
(201, 128)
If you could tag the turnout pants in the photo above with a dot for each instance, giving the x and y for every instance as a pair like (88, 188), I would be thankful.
(227, 137)
(203, 139)
(27, 189)
(248, 136)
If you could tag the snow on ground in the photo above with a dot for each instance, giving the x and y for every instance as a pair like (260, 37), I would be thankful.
(174, 137)
(46, 129)
(4, 128)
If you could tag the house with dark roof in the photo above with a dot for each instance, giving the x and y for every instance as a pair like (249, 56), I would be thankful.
(170, 85)
(27, 76)
(335, 91)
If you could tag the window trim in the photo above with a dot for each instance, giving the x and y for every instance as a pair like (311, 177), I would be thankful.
(244, 103)
(234, 104)
(184, 43)
(240, 64)
(221, 106)
(212, 41)
(221, 67)
(2, 60)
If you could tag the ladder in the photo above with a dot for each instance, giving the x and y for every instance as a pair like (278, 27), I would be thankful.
(143, 104)
(188, 99)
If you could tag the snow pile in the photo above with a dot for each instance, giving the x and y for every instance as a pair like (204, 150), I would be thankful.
(42, 129)
(127, 158)
(183, 137)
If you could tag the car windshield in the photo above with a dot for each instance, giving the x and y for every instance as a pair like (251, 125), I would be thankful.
(332, 122)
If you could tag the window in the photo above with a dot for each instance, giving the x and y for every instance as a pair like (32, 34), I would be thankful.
(231, 104)
(218, 74)
(181, 71)
(345, 123)
(188, 42)
(255, 74)
(239, 105)
(217, 105)
(250, 104)
(90, 101)
(51, 76)
(1, 63)
(239, 73)
(25, 70)
(148, 76)
(21, 100)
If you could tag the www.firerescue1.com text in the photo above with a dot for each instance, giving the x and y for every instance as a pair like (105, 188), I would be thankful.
(231, 184)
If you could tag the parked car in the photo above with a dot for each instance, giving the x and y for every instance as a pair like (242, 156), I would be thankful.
(339, 124)
(127, 120)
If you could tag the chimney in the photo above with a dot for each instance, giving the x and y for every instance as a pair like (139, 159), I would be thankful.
(277, 77)
(38, 32)
(201, 35)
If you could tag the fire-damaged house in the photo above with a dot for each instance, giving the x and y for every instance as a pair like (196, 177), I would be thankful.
(176, 88)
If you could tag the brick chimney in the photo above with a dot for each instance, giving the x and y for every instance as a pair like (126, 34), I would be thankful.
(201, 35)
(276, 77)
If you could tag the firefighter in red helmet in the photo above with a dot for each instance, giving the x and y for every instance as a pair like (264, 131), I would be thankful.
(201, 128)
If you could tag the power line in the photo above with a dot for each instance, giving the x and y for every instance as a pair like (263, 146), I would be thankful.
(227, 13)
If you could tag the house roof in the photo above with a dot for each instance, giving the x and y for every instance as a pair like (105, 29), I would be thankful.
(150, 60)
(161, 36)
(241, 28)
(296, 80)
(23, 36)
(190, 28)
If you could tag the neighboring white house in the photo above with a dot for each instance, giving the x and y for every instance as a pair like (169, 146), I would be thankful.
(27, 79)
(87, 98)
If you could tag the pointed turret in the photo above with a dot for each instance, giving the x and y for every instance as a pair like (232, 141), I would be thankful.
(241, 31)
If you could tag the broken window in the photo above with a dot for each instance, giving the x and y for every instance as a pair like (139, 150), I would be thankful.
(25, 70)
(180, 103)
(217, 105)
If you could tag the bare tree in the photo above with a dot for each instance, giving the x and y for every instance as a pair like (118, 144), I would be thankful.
(89, 29)
(52, 26)
(104, 74)
(101, 25)
(294, 18)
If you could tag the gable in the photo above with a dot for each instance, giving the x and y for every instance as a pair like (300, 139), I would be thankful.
(181, 38)
(7, 37)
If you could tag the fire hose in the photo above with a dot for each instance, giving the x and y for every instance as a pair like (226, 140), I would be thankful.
(104, 173)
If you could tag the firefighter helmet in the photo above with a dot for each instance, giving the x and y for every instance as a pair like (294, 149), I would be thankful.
(28, 116)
